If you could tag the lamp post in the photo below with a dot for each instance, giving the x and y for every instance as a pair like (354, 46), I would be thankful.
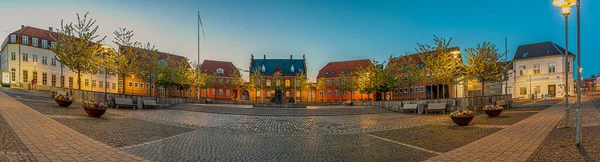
(456, 53)
(565, 8)
(578, 112)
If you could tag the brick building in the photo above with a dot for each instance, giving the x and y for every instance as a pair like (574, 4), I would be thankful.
(224, 72)
(338, 72)
(288, 68)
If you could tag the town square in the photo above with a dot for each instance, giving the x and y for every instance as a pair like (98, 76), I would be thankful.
(298, 81)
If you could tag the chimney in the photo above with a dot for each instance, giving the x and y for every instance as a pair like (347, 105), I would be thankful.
(264, 57)
(290, 57)
(50, 29)
(251, 56)
(303, 57)
(22, 26)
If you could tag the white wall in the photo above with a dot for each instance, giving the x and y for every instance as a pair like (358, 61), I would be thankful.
(544, 78)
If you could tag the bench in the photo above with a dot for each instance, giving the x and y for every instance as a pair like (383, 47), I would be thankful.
(410, 107)
(436, 107)
(64, 93)
(125, 102)
(208, 100)
(503, 103)
(149, 103)
(347, 103)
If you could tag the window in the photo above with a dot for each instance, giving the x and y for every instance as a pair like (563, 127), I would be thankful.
(13, 56)
(536, 68)
(551, 67)
(35, 77)
(343, 81)
(35, 58)
(343, 93)
(25, 40)
(297, 94)
(522, 71)
(342, 72)
(44, 60)
(326, 73)
(135, 84)
(568, 66)
(228, 93)
(328, 92)
(220, 92)
(86, 82)
(328, 82)
(53, 62)
(34, 42)
(405, 90)
(287, 93)
(25, 79)
(114, 85)
(220, 71)
(257, 93)
(287, 83)
(13, 74)
(44, 79)
(536, 89)
(214, 91)
(320, 92)
(422, 89)
(147, 85)
(13, 38)
(131, 84)
(336, 82)
(100, 84)
(94, 83)
(70, 82)
(332, 73)
(52, 44)
(221, 81)
(141, 85)
(53, 80)
(268, 82)
(523, 91)
(416, 89)
(107, 85)
(152, 86)
(349, 71)
(405, 78)
(25, 57)
(396, 91)
(44, 43)
(336, 92)
(62, 81)
(525, 54)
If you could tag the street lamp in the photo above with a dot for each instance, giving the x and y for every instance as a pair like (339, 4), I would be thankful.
(565, 8)
(456, 53)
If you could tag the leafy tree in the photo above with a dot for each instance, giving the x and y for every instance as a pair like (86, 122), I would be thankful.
(276, 81)
(348, 83)
(410, 70)
(127, 52)
(147, 68)
(235, 82)
(486, 64)
(385, 78)
(438, 59)
(367, 84)
(77, 46)
(301, 82)
(321, 85)
(256, 81)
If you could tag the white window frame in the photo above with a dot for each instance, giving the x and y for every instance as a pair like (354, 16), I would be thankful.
(52, 44)
(34, 41)
(44, 43)
(25, 40)
(552, 67)
(228, 92)
(13, 38)
(537, 68)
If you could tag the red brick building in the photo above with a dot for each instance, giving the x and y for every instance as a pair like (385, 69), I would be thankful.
(225, 72)
(331, 73)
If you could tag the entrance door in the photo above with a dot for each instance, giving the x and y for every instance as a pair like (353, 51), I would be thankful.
(552, 90)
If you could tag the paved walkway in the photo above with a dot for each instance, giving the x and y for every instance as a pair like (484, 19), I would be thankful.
(515, 143)
(49, 140)
(260, 111)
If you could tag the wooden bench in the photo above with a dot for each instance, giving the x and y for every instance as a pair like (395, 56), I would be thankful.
(503, 103)
(125, 102)
(208, 100)
(436, 107)
(149, 103)
(347, 103)
(410, 107)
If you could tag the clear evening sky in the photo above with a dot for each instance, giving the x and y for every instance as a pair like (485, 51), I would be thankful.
(325, 31)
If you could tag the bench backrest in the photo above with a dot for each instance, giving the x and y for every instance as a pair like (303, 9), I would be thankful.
(123, 101)
(436, 106)
(149, 102)
(501, 102)
(410, 106)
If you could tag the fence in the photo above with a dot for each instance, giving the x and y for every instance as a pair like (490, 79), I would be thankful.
(472, 103)
(83, 95)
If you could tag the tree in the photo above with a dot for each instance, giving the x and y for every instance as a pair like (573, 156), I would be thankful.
(366, 83)
(410, 70)
(348, 83)
(77, 46)
(149, 66)
(127, 52)
(256, 81)
(301, 82)
(437, 59)
(384, 78)
(235, 82)
(485, 64)
(321, 85)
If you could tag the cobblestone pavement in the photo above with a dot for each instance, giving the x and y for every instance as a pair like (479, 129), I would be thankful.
(256, 111)
(48, 140)
(12, 148)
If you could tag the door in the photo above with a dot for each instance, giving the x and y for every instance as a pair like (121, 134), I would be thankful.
(552, 90)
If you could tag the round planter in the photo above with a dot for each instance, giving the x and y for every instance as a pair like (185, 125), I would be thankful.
(63, 103)
(94, 112)
(493, 113)
(462, 121)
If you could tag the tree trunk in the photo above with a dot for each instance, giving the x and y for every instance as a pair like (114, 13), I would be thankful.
(443, 91)
(482, 88)
(351, 96)
(79, 79)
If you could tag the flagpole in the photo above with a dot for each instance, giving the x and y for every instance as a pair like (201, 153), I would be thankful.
(198, 65)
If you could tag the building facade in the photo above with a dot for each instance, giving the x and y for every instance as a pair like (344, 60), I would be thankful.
(224, 72)
(26, 58)
(540, 71)
(334, 73)
(288, 69)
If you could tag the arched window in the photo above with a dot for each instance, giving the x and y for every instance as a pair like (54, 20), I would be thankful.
(342, 72)
(326, 73)
(287, 83)
(220, 71)
(287, 93)
(268, 82)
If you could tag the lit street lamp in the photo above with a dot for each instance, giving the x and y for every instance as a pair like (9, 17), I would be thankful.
(565, 8)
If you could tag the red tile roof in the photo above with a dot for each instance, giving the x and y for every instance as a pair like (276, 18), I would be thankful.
(35, 32)
(337, 67)
(211, 66)
(416, 56)
(163, 56)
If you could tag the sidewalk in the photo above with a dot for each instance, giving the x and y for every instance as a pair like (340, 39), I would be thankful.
(515, 143)
(49, 140)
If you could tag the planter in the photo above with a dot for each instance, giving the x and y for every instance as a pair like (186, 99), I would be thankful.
(462, 121)
(63, 103)
(493, 113)
(94, 112)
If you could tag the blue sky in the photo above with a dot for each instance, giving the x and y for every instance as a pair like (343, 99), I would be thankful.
(325, 31)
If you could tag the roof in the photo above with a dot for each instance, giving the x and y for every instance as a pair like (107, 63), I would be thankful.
(338, 67)
(539, 50)
(163, 55)
(284, 64)
(211, 66)
(416, 56)
(35, 32)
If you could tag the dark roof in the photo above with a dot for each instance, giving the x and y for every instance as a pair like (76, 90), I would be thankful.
(211, 66)
(539, 50)
(284, 64)
(162, 56)
(35, 32)
(337, 67)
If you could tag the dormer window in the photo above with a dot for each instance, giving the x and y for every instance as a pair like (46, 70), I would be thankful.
(220, 71)
(342, 72)
(53, 45)
(526, 54)
(263, 68)
(326, 73)
(348, 72)
(34, 42)
(13, 38)
(160, 62)
(333, 73)
(25, 40)
(44, 43)
(548, 51)
(292, 69)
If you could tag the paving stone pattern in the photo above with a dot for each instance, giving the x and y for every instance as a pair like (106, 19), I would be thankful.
(281, 111)
(12, 149)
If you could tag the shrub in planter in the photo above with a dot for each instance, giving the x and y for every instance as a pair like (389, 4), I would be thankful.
(493, 110)
(462, 117)
(93, 108)
(63, 100)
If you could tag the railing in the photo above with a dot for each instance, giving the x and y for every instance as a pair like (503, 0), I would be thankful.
(83, 95)
(472, 103)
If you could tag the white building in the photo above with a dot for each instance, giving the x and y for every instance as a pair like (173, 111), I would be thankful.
(539, 69)
(25, 57)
